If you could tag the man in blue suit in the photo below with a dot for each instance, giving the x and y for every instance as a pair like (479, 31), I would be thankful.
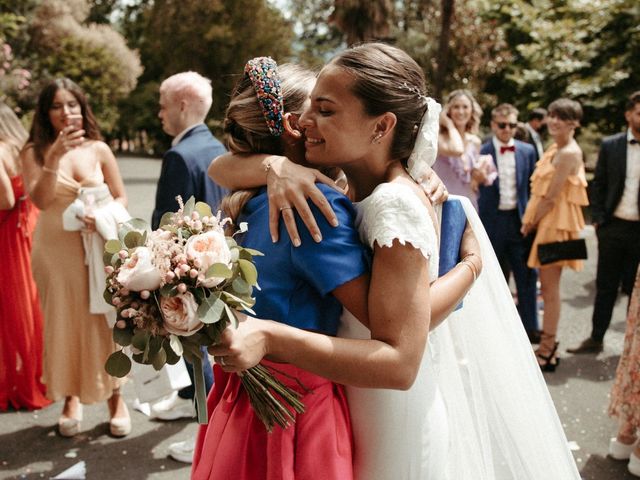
(185, 100)
(502, 205)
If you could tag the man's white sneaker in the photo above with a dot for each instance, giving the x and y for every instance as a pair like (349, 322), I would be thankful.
(173, 408)
(182, 451)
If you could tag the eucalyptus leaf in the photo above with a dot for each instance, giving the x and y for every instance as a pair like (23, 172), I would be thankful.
(253, 252)
(231, 242)
(241, 286)
(189, 207)
(133, 239)
(203, 209)
(168, 290)
(172, 357)
(231, 316)
(210, 310)
(107, 295)
(122, 336)
(167, 219)
(219, 270)
(140, 340)
(175, 344)
(112, 246)
(159, 359)
(249, 271)
(106, 258)
(118, 364)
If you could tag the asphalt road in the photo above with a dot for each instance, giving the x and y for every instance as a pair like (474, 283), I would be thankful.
(30, 448)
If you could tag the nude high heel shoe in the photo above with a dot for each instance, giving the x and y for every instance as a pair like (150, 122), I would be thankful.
(70, 426)
(119, 426)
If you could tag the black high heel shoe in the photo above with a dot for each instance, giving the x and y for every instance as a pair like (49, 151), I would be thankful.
(550, 361)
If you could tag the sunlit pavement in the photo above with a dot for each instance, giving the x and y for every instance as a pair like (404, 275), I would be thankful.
(30, 448)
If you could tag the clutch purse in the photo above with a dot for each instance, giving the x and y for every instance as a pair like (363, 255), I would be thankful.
(567, 250)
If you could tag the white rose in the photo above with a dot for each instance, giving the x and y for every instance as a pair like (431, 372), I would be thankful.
(138, 273)
(208, 248)
(180, 314)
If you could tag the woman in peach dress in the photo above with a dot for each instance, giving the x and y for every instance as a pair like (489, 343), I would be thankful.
(62, 156)
(558, 193)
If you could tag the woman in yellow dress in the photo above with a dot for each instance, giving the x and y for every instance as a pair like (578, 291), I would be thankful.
(558, 193)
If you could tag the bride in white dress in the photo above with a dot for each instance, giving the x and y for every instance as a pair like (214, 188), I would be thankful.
(479, 407)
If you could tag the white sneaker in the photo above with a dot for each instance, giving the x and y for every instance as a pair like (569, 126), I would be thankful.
(173, 408)
(182, 451)
(634, 465)
(619, 450)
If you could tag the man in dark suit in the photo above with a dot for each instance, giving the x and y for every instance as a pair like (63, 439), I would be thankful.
(502, 205)
(537, 120)
(185, 100)
(615, 213)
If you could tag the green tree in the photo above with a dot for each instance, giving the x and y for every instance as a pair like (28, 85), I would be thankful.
(214, 38)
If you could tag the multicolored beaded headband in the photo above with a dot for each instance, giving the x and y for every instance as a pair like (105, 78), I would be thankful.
(263, 73)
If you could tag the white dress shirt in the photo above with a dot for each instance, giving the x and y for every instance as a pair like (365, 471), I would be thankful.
(535, 137)
(627, 209)
(506, 163)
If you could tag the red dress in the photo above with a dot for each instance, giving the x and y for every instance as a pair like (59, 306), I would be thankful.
(20, 315)
(236, 445)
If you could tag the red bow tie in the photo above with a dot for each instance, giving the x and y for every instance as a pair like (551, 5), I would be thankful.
(505, 148)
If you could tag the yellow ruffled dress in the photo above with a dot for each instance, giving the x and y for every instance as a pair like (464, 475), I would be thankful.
(565, 221)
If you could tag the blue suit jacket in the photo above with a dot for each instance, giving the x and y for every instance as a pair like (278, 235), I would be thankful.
(184, 172)
(489, 197)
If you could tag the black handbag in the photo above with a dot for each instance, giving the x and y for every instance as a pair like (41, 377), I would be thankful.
(567, 250)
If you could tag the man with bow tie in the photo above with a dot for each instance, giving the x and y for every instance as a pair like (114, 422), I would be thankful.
(502, 205)
(615, 214)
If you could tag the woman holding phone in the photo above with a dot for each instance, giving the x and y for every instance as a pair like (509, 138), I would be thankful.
(64, 154)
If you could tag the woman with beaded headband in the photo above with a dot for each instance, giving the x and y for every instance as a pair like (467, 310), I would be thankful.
(303, 287)
(479, 407)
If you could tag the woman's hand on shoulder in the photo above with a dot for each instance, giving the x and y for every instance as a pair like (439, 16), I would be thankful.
(289, 186)
(433, 186)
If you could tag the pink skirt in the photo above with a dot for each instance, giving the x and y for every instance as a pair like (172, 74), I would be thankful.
(236, 445)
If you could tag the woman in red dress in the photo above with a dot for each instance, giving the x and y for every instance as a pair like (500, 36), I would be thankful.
(20, 315)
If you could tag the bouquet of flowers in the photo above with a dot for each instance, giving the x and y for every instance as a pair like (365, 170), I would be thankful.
(175, 289)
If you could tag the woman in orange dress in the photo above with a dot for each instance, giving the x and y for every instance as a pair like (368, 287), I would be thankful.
(558, 193)
(20, 315)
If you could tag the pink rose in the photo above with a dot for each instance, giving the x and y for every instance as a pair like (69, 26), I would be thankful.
(138, 273)
(205, 250)
(180, 314)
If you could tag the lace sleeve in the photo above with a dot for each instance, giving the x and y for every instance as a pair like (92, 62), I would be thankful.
(393, 212)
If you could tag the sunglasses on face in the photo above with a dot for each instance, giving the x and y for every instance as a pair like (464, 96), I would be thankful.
(503, 125)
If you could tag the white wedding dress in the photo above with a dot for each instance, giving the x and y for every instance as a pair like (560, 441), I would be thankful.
(479, 408)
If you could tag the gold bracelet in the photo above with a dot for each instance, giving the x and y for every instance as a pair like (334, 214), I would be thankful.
(53, 171)
(471, 267)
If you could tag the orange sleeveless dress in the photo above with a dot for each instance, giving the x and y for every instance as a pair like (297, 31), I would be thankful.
(565, 221)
